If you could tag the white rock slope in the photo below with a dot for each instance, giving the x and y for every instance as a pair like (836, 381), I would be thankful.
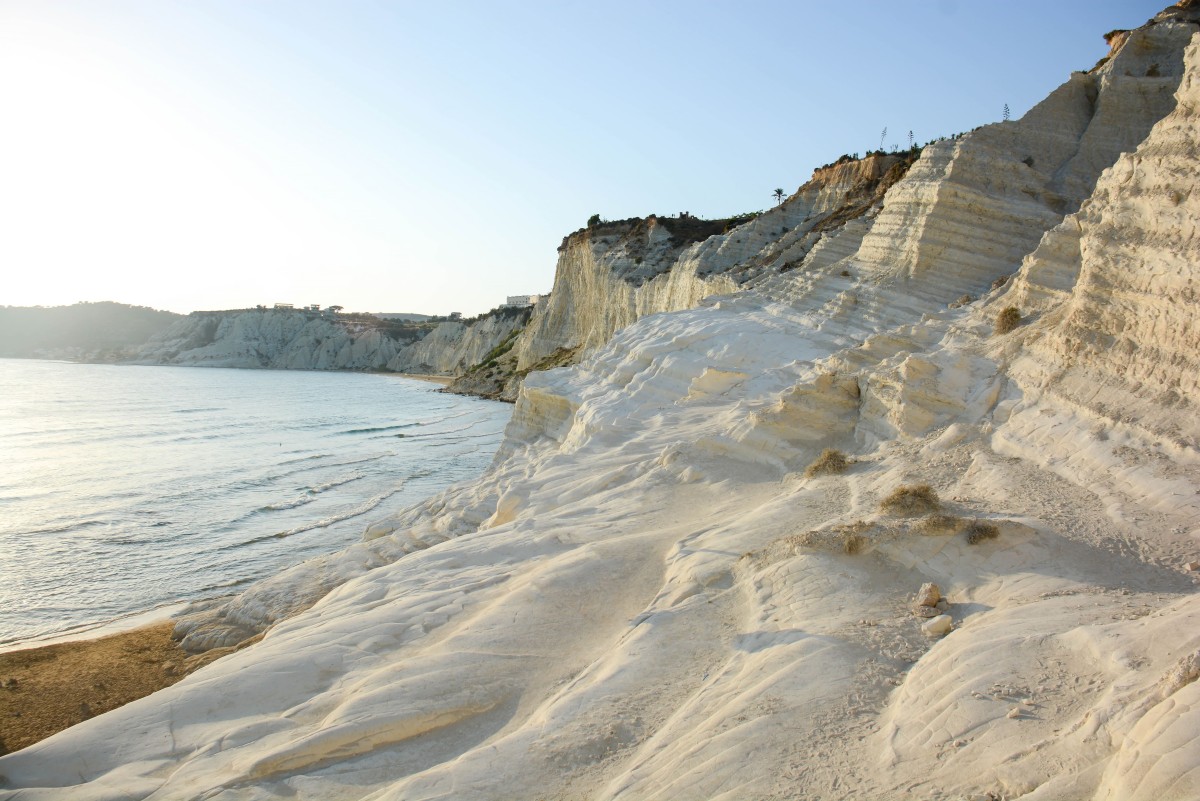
(269, 338)
(647, 596)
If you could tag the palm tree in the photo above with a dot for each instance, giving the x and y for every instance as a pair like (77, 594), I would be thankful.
(778, 193)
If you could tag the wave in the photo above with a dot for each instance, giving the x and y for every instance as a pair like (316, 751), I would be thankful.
(377, 429)
(337, 482)
(60, 528)
(376, 457)
(225, 434)
(224, 585)
(357, 511)
(306, 458)
(292, 504)
(310, 494)
(321, 466)
(427, 434)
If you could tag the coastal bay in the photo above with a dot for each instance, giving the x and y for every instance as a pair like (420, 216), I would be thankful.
(127, 488)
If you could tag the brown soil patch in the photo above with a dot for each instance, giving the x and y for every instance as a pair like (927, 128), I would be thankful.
(45, 690)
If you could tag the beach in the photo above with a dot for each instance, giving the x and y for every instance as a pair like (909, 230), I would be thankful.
(444, 380)
(46, 689)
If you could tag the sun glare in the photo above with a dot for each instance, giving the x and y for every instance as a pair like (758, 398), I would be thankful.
(111, 184)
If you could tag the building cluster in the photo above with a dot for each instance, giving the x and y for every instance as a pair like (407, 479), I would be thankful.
(329, 311)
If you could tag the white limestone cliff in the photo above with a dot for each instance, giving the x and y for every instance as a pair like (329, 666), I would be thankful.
(284, 339)
(298, 340)
(1003, 184)
(612, 274)
(648, 596)
(454, 347)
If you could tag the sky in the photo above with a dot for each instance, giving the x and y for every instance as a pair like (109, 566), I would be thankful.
(430, 157)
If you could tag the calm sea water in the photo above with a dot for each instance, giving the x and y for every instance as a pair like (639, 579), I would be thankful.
(126, 488)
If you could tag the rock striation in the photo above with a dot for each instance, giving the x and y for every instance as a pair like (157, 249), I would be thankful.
(454, 347)
(613, 274)
(269, 338)
(647, 597)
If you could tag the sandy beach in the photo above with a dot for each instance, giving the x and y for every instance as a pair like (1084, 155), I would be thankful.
(48, 688)
(444, 380)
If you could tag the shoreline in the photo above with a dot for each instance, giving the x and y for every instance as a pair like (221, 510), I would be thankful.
(47, 688)
(52, 685)
(441, 380)
(53, 681)
(105, 628)
(444, 380)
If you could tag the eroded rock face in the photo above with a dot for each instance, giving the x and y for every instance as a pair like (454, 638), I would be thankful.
(453, 347)
(1121, 278)
(296, 340)
(269, 338)
(965, 214)
(612, 275)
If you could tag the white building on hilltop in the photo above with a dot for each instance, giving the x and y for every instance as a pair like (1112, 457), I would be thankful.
(521, 301)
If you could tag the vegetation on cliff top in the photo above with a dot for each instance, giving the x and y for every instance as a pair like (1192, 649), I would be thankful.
(684, 228)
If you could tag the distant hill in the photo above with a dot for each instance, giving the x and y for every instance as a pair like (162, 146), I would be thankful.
(103, 331)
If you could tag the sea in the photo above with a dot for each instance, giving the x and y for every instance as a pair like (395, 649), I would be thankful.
(126, 489)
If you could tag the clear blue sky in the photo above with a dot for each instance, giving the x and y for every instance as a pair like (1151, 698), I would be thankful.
(429, 157)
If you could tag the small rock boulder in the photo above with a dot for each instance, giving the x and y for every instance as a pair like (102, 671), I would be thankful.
(938, 626)
(928, 595)
(925, 611)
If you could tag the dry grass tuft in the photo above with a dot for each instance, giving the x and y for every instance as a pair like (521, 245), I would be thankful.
(830, 461)
(849, 538)
(1008, 319)
(941, 524)
(914, 499)
(978, 531)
